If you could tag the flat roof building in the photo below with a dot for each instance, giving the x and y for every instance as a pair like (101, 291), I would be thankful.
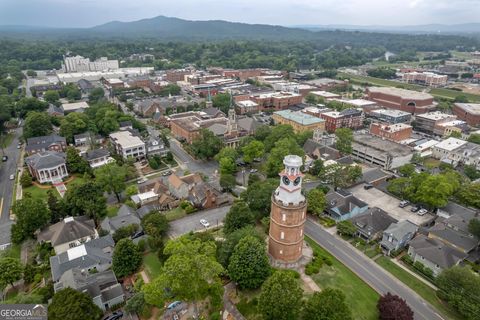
(468, 112)
(394, 132)
(401, 99)
(391, 116)
(298, 120)
(75, 107)
(427, 122)
(128, 145)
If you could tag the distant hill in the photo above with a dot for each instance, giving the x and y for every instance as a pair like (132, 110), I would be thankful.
(464, 28)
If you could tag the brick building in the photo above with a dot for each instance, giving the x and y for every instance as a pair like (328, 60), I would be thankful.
(276, 100)
(298, 120)
(427, 122)
(468, 112)
(349, 118)
(394, 132)
(176, 75)
(426, 78)
(400, 99)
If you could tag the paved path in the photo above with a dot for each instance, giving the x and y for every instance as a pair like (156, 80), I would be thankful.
(228, 304)
(192, 221)
(375, 276)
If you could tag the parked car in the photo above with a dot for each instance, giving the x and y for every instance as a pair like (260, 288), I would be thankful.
(19, 146)
(415, 208)
(367, 186)
(403, 203)
(114, 316)
(12, 177)
(4, 158)
(173, 304)
(253, 170)
(204, 223)
(166, 173)
(422, 212)
(140, 181)
(137, 234)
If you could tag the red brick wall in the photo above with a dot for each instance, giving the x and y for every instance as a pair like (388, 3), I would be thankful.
(398, 103)
(378, 130)
(471, 119)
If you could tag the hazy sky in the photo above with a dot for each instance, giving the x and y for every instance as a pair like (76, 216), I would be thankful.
(85, 13)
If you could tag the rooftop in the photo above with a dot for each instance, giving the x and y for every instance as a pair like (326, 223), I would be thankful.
(299, 117)
(450, 144)
(403, 93)
(75, 106)
(436, 115)
(394, 127)
(390, 112)
(126, 139)
(378, 144)
(359, 102)
(473, 108)
(325, 94)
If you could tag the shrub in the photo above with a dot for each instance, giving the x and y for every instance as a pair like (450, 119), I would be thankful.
(407, 259)
(26, 179)
(215, 316)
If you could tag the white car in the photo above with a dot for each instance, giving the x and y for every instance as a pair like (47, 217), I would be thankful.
(12, 177)
(204, 223)
(422, 212)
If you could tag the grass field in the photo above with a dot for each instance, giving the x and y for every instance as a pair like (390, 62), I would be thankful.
(175, 214)
(152, 265)
(40, 193)
(361, 298)
(436, 92)
(419, 287)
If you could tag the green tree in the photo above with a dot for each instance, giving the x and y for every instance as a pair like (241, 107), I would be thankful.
(31, 214)
(474, 227)
(190, 272)
(238, 216)
(71, 304)
(262, 132)
(281, 297)
(258, 196)
(227, 166)
(126, 258)
(155, 224)
(73, 94)
(277, 133)
(227, 182)
(222, 101)
(468, 194)
(26, 179)
(249, 266)
(471, 172)
(254, 149)
(125, 232)
(474, 138)
(407, 170)
(460, 287)
(75, 162)
(316, 201)
(74, 123)
(346, 228)
(225, 248)
(131, 190)
(328, 304)
(434, 191)
(461, 98)
(111, 177)
(136, 303)
(311, 99)
(206, 145)
(96, 95)
(28, 104)
(227, 152)
(37, 124)
(283, 147)
(55, 206)
(51, 96)
(344, 140)
(86, 199)
(11, 270)
(317, 167)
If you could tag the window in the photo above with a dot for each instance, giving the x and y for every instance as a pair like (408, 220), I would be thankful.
(281, 251)
(301, 232)
(284, 217)
(282, 235)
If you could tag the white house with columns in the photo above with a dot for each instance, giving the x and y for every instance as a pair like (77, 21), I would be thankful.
(48, 166)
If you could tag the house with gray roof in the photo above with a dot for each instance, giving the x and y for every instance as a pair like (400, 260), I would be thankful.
(98, 157)
(155, 146)
(87, 139)
(55, 111)
(47, 166)
(454, 208)
(371, 224)
(85, 86)
(45, 143)
(342, 205)
(68, 233)
(126, 216)
(397, 235)
(102, 287)
(375, 176)
(434, 254)
(91, 256)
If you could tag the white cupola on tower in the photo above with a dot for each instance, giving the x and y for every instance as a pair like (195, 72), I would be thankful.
(290, 190)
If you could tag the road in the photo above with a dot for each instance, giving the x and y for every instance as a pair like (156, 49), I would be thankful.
(6, 187)
(374, 275)
(365, 268)
(208, 168)
(192, 222)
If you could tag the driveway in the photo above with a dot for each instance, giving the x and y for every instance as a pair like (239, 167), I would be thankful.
(192, 222)
(388, 203)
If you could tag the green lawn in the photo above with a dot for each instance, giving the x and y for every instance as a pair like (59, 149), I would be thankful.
(419, 287)
(175, 214)
(361, 298)
(39, 193)
(12, 252)
(6, 140)
(152, 265)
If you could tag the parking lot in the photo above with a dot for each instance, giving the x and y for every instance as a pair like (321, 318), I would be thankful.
(384, 201)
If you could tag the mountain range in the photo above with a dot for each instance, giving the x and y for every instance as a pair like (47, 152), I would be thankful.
(463, 28)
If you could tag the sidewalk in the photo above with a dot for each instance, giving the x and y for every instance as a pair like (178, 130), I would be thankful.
(425, 281)
(228, 305)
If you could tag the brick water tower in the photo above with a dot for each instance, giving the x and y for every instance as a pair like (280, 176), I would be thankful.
(288, 215)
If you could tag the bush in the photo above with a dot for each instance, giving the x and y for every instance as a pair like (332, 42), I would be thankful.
(26, 179)
(407, 259)
(215, 316)
(141, 245)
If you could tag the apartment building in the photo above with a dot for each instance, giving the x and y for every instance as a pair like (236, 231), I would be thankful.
(391, 116)
(349, 118)
(393, 132)
(426, 78)
(127, 144)
(427, 122)
(81, 64)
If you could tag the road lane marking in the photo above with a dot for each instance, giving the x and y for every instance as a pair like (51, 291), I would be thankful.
(1, 206)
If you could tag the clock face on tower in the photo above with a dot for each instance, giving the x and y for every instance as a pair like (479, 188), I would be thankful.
(296, 182)
(286, 181)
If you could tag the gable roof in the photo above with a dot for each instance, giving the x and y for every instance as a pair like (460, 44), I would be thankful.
(374, 175)
(343, 201)
(399, 229)
(374, 220)
(310, 146)
(43, 142)
(96, 153)
(175, 181)
(45, 160)
(248, 124)
(213, 112)
(68, 230)
(436, 251)
(453, 237)
(125, 216)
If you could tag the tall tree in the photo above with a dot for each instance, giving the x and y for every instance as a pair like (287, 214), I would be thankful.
(51, 96)
(225, 248)
(222, 101)
(277, 133)
(31, 214)
(249, 266)
(28, 104)
(206, 145)
(258, 196)
(11, 270)
(75, 162)
(227, 182)
(96, 95)
(155, 225)
(127, 258)
(282, 148)
(328, 304)
(86, 199)
(468, 194)
(238, 216)
(316, 201)
(71, 304)
(392, 307)
(227, 166)
(253, 150)
(344, 140)
(111, 177)
(56, 207)
(281, 297)
(190, 272)
(317, 167)
(435, 191)
(37, 124)
(74, 123)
